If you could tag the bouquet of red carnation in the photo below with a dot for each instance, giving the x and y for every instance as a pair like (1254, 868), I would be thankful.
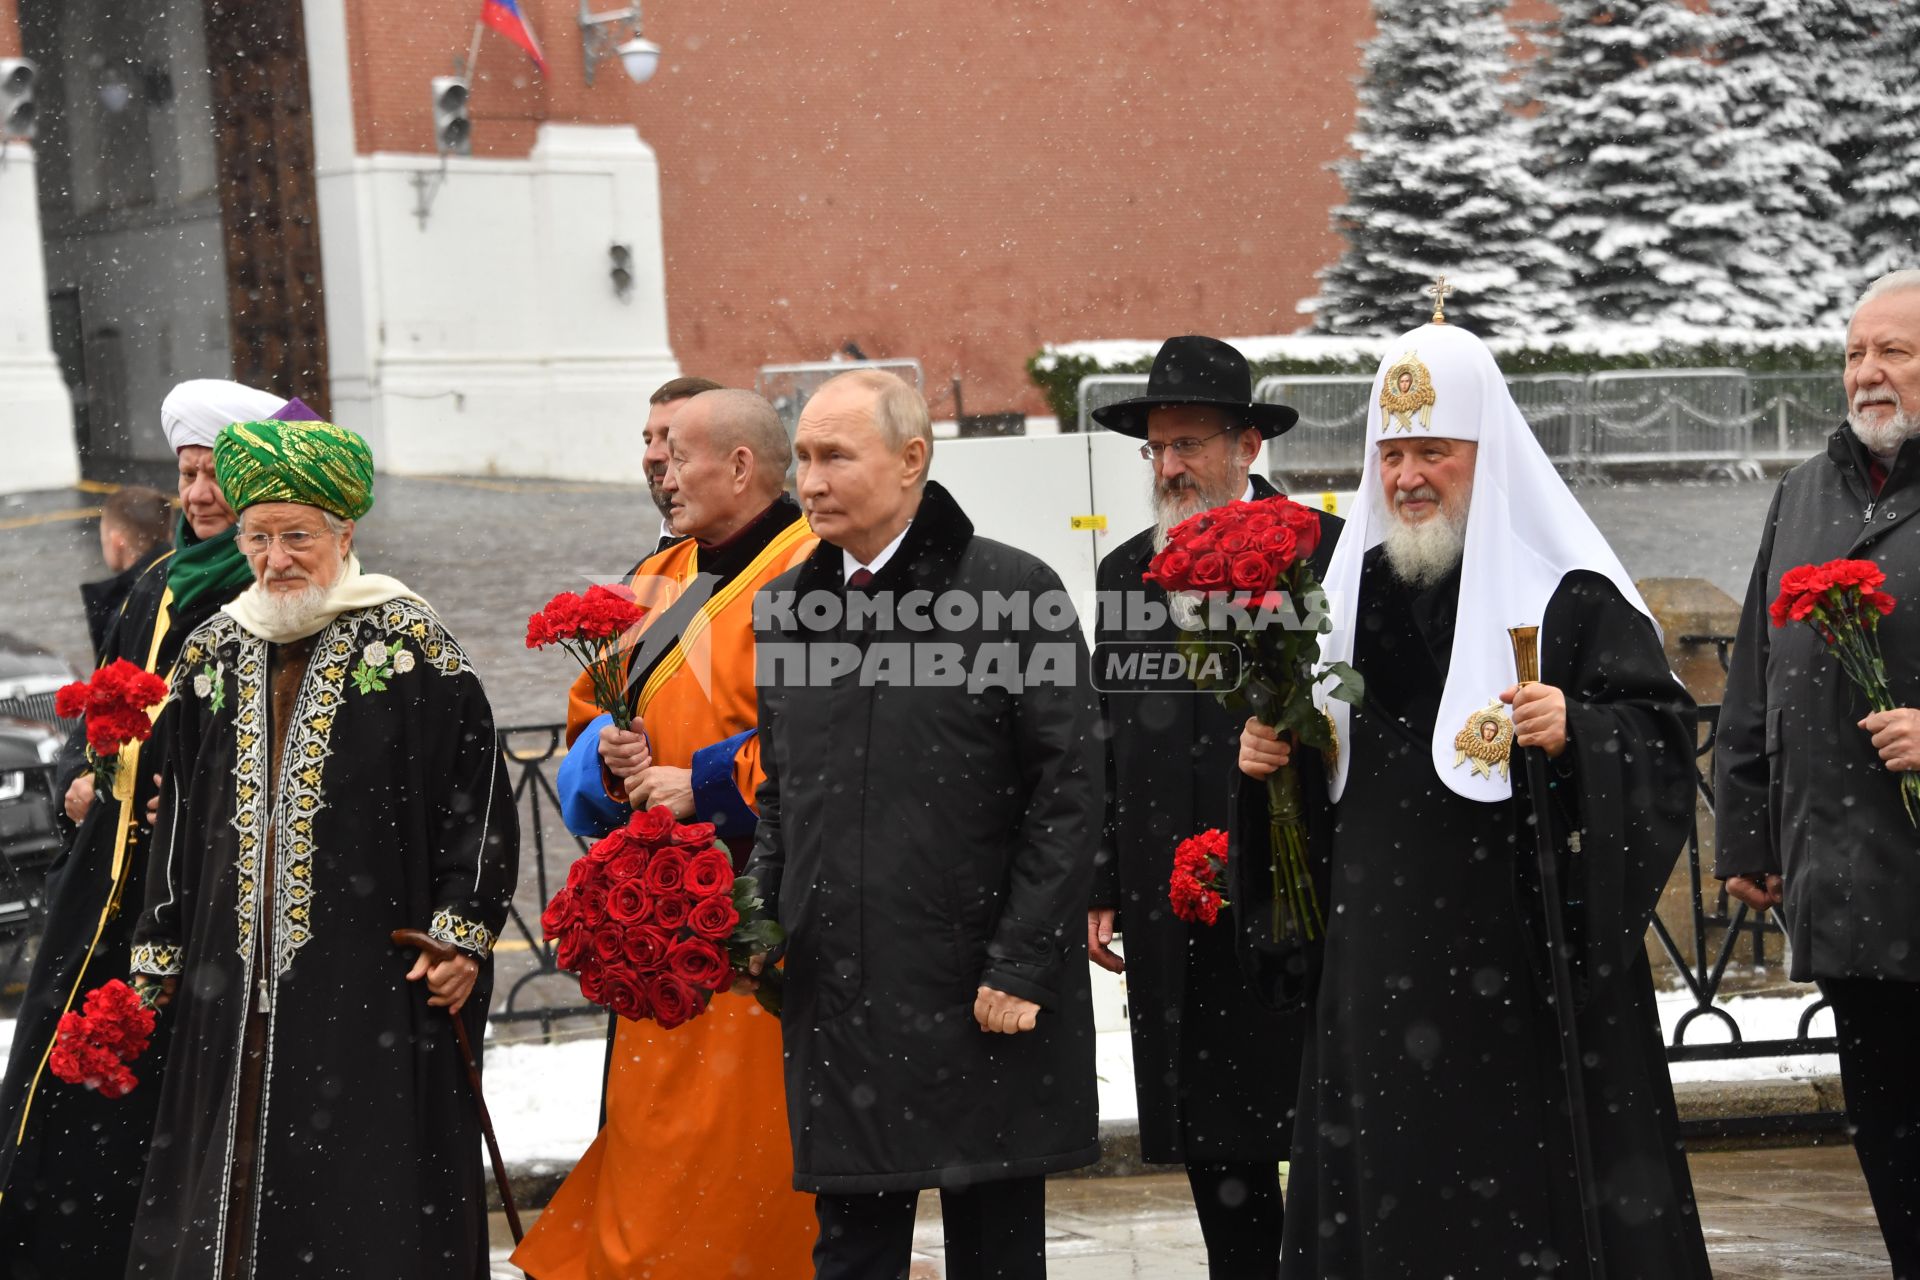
(654, 922)
(590, 627)
(115, 703)
(93, 1048)
(1244, 569)
(1197, 890)
(1842, 601)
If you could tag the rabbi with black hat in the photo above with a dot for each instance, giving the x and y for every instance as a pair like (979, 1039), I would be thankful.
(1215, 1069)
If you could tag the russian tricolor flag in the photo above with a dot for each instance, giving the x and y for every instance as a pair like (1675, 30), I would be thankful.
(505, 17)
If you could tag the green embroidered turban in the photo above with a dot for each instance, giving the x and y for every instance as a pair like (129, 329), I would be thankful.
(313, 463)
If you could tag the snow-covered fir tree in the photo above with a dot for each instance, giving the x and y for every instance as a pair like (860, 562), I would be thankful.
(1438, 183)
(1882, 189)
(1792, 259)
(1633, 135)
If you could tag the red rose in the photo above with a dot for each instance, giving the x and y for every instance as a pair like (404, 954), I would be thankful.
(647, 947)
(593, 983)
(672, 1000)
(581, 874)
(665, 873)
(559, 911)
(1209, 571)
(708, 873)
(1234, 541)
(653, 826)
(1192, 527)
(627, 903)
(626, 866)
(625, 996)
(609, 941)
(700, 964)
(693, 835)
(572, 948)
(1250, 570)
(1303, 523)
(714, 918)
(670, 910)
(593, 905)
(1169, 569)
(1280, 545)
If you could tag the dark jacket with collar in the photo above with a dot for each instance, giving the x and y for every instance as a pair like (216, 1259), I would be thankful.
(1215, 1069)
(1800, 790)
(919, 838)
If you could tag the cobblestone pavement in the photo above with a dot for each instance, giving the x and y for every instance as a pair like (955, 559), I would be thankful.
(487, 553)
(1784, 1214)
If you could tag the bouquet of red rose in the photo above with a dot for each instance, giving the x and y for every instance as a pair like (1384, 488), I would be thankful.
(1197, 890)
(115, 703)
(654, 922)
(1244, 569)
(93, 1048)
(590, 627)
(1842, 601)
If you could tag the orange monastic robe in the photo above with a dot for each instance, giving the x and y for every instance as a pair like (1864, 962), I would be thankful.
(692, 1176)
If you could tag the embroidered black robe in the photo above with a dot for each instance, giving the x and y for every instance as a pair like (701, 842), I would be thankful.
(270, 899)
(1431, 1137)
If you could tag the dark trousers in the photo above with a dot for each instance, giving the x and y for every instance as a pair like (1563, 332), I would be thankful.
(995, 1231)
(1240, 1217)
(1875, 1019)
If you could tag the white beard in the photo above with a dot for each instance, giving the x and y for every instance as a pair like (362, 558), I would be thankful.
(1883, 438)
(1169, 509)
(293, 610)
(1421, 554)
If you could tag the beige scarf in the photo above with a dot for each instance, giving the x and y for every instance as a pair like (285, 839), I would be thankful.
(355, 590)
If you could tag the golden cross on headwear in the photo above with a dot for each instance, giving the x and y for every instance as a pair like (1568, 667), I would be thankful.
(1439, 291)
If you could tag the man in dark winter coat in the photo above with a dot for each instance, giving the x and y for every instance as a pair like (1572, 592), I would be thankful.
(926, 838)
(1215, 1069)
(1808, 809)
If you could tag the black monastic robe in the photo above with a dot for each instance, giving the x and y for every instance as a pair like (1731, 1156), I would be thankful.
(1432, 1138)
(277, 876)
(70, 1160)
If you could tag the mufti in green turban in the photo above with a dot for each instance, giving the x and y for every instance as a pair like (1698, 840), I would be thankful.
(313, 463)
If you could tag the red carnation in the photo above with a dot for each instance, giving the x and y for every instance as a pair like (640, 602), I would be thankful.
(1199, 874)
(590, 628)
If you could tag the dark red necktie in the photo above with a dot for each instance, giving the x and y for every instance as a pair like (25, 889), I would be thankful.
(860, 579)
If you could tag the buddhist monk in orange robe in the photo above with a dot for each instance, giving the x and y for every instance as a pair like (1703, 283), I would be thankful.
(691, 1177)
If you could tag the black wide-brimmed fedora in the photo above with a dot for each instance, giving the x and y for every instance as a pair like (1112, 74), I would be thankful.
(1197, 370)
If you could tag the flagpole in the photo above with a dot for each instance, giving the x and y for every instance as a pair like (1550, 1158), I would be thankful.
(473, 50)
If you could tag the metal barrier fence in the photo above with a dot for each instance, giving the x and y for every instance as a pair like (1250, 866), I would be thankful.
(1714, 419)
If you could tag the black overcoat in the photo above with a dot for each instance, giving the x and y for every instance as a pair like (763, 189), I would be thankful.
(1214, 1068)
(919, 839)
(61, 1143)
(1801, 791)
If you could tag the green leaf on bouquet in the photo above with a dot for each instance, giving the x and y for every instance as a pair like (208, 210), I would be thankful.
(1349, 686)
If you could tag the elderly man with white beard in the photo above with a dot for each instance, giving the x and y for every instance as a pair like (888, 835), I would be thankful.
(1809, 817)
(1215, 1069)
(1433, 1136)
(330, 775)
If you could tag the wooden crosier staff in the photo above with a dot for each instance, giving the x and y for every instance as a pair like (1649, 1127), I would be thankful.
(438, 952)
(1526, 662)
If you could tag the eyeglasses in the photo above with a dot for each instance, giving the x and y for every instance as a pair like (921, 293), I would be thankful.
(294, 542)
(1188, 447)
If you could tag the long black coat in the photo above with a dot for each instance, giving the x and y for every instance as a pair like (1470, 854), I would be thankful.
(1802, 793)
(76, 1146)
(1214, 1068)
(1431, 1138)
(919, 839)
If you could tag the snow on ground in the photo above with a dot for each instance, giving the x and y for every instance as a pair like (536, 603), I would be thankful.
(545, 1098)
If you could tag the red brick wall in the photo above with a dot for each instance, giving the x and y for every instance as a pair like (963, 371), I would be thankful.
(9, 29)
(955, 182)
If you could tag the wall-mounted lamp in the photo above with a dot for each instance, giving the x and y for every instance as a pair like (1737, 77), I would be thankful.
(598, 31)
(16, 98)
(621, 270)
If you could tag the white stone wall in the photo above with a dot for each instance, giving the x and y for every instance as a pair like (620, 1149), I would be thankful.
(36, 414)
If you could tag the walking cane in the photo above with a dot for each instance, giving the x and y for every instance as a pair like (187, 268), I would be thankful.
(438, 951)
(1526, 661)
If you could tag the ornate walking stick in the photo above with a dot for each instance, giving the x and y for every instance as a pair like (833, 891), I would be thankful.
(438, 951)
(1526, 661)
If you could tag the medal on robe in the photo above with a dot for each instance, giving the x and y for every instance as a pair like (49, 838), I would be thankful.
(1486, 743)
